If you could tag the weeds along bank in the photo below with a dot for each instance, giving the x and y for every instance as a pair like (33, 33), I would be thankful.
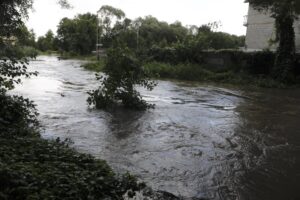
(223, 66)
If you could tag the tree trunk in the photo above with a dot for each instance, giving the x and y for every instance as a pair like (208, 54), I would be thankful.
(286, 51)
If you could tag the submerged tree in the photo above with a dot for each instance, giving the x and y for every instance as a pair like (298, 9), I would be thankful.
(122, 73)
(285, 12)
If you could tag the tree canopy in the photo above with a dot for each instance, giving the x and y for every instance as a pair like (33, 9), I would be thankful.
(277, 6)
(78, 35)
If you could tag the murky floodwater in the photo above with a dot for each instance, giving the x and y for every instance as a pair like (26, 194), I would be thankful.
(201, 141)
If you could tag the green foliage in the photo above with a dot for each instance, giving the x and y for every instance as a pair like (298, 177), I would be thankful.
(182, 71)
(286, 51)
(143, 34)
(46, 43)
(276, 6)
(259, 62)
(33, 168)
(17, 115)
(11, 70)
(202, 73)
(108, 15)
(254, 68)
(25, 37)
(78, 35)
(12, 13)
(94, 66)
(30, 52)
(16, 112)
(12, 63)
(284, 12)
(122, 72)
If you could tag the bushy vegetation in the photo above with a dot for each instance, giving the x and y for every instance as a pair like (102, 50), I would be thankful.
(47, 42)
(96, 66)
(203, 73)
(122, 73)
(17, 115)
(33, 168)
(78, 35)
(239, 67)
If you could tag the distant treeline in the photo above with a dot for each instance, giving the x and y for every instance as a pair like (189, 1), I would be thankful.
(79, 35)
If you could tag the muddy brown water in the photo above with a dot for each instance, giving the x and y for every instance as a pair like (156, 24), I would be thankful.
(201, 141)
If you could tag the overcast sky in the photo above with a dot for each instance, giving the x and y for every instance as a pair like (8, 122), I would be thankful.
(231, 13)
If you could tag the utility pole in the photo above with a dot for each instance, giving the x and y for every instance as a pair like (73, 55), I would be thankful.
(137, 25)
(97, 42)
(98, 45)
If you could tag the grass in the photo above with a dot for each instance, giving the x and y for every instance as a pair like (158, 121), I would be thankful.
(194, 72)
(96, 66)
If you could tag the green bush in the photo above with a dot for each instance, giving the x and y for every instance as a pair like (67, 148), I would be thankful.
(183, 71)
(33, 168)
(94, 66)
(17, 115)
(252, 63)
(260, 62)
(122, 73)
(30, 51)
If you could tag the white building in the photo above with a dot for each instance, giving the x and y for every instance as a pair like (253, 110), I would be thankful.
(261, 29)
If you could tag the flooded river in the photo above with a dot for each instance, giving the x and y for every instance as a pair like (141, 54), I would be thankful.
(200, 142)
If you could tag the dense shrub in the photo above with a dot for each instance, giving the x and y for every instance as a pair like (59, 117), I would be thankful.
(254, 63)
(17, 115)
(176, 54)
(94, 66)
(260, 62)
(122, 73)
(33, 168)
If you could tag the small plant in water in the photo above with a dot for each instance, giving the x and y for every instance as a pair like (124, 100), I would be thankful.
(122, 72)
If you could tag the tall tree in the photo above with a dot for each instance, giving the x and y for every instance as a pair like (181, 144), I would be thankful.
(46, 42)
(285, 12)
(108, 17)
(78, 35)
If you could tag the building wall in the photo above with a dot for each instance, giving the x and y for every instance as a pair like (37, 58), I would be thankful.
(260, 29)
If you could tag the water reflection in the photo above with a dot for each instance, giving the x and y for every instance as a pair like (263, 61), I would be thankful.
(201, 141)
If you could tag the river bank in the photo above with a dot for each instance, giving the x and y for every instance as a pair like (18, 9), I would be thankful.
(200, 73)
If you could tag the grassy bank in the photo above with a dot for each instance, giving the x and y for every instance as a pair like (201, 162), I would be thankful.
(200, 73)
(195, 72)
(34, 168)
(96, 66)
